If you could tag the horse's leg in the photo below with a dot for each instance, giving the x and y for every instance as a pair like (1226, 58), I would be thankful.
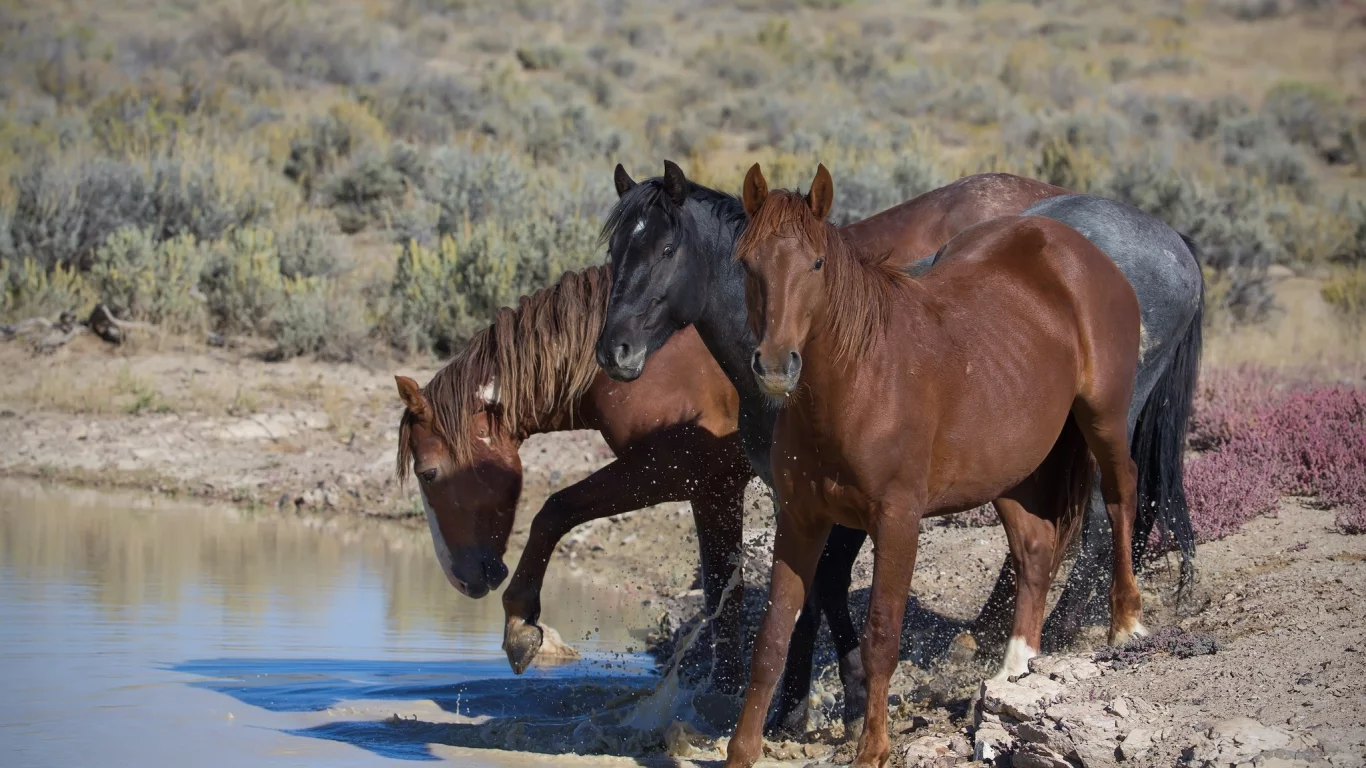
(1102, 419)
(833, 576)
(895, 540)
(796, 548)
(719, 514)
(790, 715)
(829, 596)
(1031, 535)
(638, 479)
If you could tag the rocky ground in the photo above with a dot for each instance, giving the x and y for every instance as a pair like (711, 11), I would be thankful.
(1270, 671)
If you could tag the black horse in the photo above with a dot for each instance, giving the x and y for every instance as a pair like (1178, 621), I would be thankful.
(672, 250)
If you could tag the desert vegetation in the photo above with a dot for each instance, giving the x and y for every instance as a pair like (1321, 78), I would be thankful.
(346, 179)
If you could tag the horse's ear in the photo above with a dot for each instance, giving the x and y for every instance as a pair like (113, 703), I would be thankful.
(822, 193)
(675, 183)
(623, 180)
(413, 399)
(755, 190)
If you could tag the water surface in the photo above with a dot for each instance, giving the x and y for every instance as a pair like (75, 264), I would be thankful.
(137, 632)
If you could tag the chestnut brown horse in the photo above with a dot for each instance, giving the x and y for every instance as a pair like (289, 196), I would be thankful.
(673, 432)
(987, 379)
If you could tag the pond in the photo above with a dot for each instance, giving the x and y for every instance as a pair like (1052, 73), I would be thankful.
(141, 632)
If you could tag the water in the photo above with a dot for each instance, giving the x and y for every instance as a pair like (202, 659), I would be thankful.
(150, 633)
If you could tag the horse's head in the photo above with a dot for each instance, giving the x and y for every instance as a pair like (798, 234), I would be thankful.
(470, 483)
(783, 251)
(660, 281)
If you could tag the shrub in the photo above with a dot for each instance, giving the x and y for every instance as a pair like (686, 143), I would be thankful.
(1345, 292)
(62, 214)
(872, 187)
(541, 57)
(367, 193)
(1315, 117)
(32, 290)
(310, 246)
(329, 139)
(1265, 437)
(242, 282)
(441, 296)
(320, 317)
(140, 279)
(471, 186)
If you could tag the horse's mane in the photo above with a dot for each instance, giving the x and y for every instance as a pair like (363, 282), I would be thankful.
(858, 286)
(540, 354)
(650, 194)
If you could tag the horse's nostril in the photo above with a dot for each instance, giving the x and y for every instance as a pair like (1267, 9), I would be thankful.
(794, 363)
(755, 363)
(623, 352)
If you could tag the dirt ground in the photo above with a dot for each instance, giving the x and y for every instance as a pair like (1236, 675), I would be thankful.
(1285, 595)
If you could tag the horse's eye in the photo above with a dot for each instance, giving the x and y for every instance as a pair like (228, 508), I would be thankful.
(427, 475)
(819, 264)
(668, 251)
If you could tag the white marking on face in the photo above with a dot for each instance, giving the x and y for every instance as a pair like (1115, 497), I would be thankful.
(443, 552)
(640, 227)
(1016, 662)
(490, 393)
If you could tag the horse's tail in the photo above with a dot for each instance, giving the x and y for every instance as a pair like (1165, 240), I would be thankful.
(1159, 445)
(1075, 468)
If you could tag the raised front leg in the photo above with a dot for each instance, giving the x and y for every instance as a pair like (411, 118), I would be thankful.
(895, 543)
(796, 548)
(634, 481)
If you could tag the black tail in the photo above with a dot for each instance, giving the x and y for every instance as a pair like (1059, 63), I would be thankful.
(1159, 446)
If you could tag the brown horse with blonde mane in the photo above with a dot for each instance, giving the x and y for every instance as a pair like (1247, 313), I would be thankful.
(987, 379)
(673, 432)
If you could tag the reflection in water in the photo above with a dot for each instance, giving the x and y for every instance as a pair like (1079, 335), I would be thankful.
(310, 626)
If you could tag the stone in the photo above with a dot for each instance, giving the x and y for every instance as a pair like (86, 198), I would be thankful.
(1136, 743)
(1023, 700)
(990, 742)
(929, 751)
(1038, 756)
(1065, 669)
(1237, 740)
(1119, 708)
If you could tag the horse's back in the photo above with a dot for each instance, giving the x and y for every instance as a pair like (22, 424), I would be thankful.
(1032, 272)
(915, 228)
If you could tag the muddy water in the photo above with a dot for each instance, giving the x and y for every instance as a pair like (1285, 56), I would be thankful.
(140, 633)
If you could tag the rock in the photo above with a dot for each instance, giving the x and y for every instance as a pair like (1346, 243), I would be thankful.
(1023, 700)
(963, 648)
(1064, 669)
(960, 745)
(990, 742)
(1237, 740)
(1264, 761)
(1038, 756)
(1136, 743)
(1119, 708)
(928, 751)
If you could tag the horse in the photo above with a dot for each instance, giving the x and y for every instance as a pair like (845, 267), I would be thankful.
(900, 398)
(672, 245)
(531, 371)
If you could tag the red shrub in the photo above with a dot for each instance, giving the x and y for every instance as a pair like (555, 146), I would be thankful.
(1267, 436)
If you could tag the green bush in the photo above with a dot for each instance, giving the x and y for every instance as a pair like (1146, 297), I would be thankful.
(1314, 117)
(141, 279)
(242, 282)
(441, 296)
(310, 246)
(319, 317)
(1345, 292)
(33, 290)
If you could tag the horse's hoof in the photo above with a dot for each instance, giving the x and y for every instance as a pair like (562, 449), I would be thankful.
(522, 642)
(787, 723)
(719, 710)
(1120, 637)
